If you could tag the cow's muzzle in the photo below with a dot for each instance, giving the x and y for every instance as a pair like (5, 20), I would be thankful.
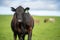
(19, 20)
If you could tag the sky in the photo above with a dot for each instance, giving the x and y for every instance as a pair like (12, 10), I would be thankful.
(37, 7)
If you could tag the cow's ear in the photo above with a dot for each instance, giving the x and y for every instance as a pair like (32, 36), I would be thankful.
(27, 8)
(13, 9)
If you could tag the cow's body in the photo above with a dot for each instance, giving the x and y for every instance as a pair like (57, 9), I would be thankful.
(22, 28)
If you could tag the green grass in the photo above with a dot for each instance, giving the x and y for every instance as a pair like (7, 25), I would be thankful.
(43, 31)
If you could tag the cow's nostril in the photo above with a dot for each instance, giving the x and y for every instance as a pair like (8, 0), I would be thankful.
(19, 20)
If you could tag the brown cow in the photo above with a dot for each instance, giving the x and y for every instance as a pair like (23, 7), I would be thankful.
(22, 23)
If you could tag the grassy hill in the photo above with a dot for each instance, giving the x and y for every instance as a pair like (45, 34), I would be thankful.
(41, 31)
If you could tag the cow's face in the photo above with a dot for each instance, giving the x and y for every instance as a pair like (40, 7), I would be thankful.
(19, 11)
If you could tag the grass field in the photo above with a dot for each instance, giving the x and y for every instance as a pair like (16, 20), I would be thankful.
(41, 31)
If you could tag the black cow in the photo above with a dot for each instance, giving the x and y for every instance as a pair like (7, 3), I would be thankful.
(22, 23)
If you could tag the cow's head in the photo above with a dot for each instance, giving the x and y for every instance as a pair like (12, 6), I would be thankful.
(19, 12)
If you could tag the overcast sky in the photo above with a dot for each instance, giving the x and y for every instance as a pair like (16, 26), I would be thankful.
(37, 7)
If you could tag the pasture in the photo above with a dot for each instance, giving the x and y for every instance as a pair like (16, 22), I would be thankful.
(41, 31)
